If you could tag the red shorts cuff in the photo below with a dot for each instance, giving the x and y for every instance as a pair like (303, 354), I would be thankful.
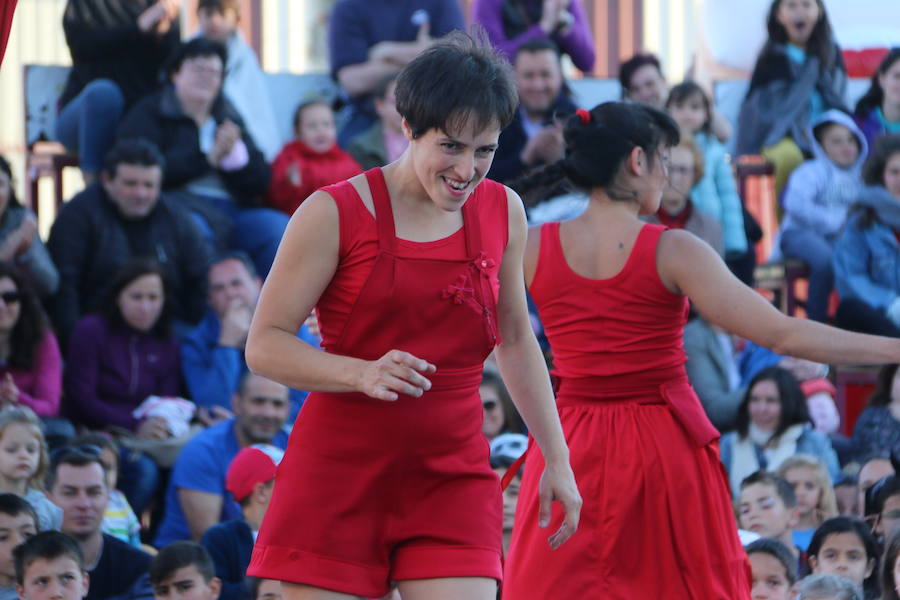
(430, 562)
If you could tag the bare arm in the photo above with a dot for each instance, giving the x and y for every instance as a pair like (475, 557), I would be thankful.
(689, 266)
(362, 78)
(525, 374)
(201, 510)
(721, 128)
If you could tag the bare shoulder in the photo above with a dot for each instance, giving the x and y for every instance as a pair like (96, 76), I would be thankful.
(679, 254)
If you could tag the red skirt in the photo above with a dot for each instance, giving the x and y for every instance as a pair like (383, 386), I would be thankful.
(657, 520)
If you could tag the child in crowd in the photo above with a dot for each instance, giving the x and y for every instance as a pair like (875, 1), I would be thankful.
(827, 587)
(263, 589)
(878, 112)
(311, 161)
(23, 462)
(773, 570)
(799, 74)
(883, 504)
(18, 522)
(767, 506)
(890, 568)
(816, 200)
(505, 451)
(180, 566)
(845, 493)
(48, 561)
(844, 546)
(119, 519)
(814, 493)
(384, 141)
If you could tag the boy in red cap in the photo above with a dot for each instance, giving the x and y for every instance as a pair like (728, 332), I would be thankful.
(250, 479)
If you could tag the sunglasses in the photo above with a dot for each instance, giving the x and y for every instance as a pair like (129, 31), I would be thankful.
(11, 297)
(489, 404)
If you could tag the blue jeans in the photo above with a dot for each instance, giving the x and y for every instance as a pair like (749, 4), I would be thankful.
(815, 250)
(139, 478)
(87, 124)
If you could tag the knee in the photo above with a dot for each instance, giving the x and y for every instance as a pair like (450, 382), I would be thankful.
(104, 95)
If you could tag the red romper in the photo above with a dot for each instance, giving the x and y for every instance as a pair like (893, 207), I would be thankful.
(657, 519)
(370, 491)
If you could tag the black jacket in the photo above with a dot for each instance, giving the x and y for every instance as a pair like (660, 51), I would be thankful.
(105, 42)
(122, 573)
(90, 242)
(230, 545)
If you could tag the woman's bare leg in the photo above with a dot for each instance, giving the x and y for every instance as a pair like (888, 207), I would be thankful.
(296, 591)
(448, 588)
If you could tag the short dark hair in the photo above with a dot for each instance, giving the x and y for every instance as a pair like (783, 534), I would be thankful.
(628, 68)
(784, 490)
(238, 255)
(197, 47)
(109, 305)
(456, 79)
(537, 45)
(178, 555)
(13, 505)
(100, 440)
(884, 148)
(132, 151)
(74, 457)
(298, 112)
(686, 90)
(778, 551)
(843, 524)
(253, 584)
(790, 395)
(47, 545)
(220, 5)
(820, 129)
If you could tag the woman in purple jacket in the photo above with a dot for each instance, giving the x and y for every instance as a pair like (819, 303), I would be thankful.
(878, 111)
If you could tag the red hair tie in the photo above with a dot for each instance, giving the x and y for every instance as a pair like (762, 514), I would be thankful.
(584, 115)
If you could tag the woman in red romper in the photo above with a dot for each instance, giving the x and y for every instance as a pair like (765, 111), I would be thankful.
(415, 271)
(612, 294)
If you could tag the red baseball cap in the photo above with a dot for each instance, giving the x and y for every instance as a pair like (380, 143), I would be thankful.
(249, 467)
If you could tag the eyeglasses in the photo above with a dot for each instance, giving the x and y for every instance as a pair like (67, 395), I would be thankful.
(11, 297)
(489, 404)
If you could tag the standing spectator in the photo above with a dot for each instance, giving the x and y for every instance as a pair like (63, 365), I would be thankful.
(877, 430)
(211, 159)
(20, 241)
(867, 253)
(245, 85)
(878, 111)
(384, 141)
(77, 484)
(196, 498)
(371, 39)
(118, 219)
(798, 75)
(118, 47)
(311, 161)
(511, 23)
(30, 361)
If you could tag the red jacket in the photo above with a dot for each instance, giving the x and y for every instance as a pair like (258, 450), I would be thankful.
(317, 169)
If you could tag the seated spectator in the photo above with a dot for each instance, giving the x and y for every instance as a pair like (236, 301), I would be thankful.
(890, 568)
(20, 241)
(500, 414)
(773, 425)
(50, 557)
(878, 112)
(368, 41)
(884, 506)
(845, 493)
(212, 161)
(506, 449)
(821, 402)
(677, 209)
(383, 142)
(814, 493)
(866, 254)
(116, 220)
(511, 23)
(873, 470)
(773, 570)
(24, 464)
(264, 589)
(313, 160)
(118, 48)
(249, 480)
(534, 137)
(18, 522)
(844, 546)
(816, 200)
(766, 505)
(31, 371)
(212, 356)
(184, 566)
(245, 84)
(77, 484)
(196, 497)
(827, 587)
(798, 75)
(877, 429)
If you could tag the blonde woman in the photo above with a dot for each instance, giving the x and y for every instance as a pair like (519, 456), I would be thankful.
(816, 501)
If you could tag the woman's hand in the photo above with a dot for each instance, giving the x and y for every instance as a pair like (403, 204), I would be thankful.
(558, 484)
(9, 393)
(153, 428)
(393, 374)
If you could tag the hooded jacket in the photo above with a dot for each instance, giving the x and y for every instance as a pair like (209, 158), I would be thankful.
(819, 192)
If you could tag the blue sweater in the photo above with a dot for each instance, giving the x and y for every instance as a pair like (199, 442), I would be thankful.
(716, 194)
(230, 545)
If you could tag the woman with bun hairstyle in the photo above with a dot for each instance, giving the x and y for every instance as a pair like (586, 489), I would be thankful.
(612, 293)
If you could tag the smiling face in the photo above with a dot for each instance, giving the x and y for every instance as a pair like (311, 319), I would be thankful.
(798, 17)
(648, 86)
(843, 554)
(539, 80)
(764, 406)
(199, 79)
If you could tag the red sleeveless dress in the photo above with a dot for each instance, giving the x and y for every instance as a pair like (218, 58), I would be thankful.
(657, 519)
(370, 491)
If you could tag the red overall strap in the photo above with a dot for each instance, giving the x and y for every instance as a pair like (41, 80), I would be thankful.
(514, 468)
(384, 216)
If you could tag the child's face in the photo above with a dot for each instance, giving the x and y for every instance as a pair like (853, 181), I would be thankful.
(217, 25)
(510, 499)
(846, 500)
(806, 488)
(843, 554)
(889, 517)
(798, 17)
(55, 579)
(110, 462)
(892, 183)
(316, 127)
(761, 510)
(13, 531)
(187, 583)
(840, 145)
(269, 589)
(770, 580)
(20, 452)
(690, 114)
(764, 406)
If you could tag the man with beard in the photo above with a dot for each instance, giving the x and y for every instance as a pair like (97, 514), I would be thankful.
(196, 498)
